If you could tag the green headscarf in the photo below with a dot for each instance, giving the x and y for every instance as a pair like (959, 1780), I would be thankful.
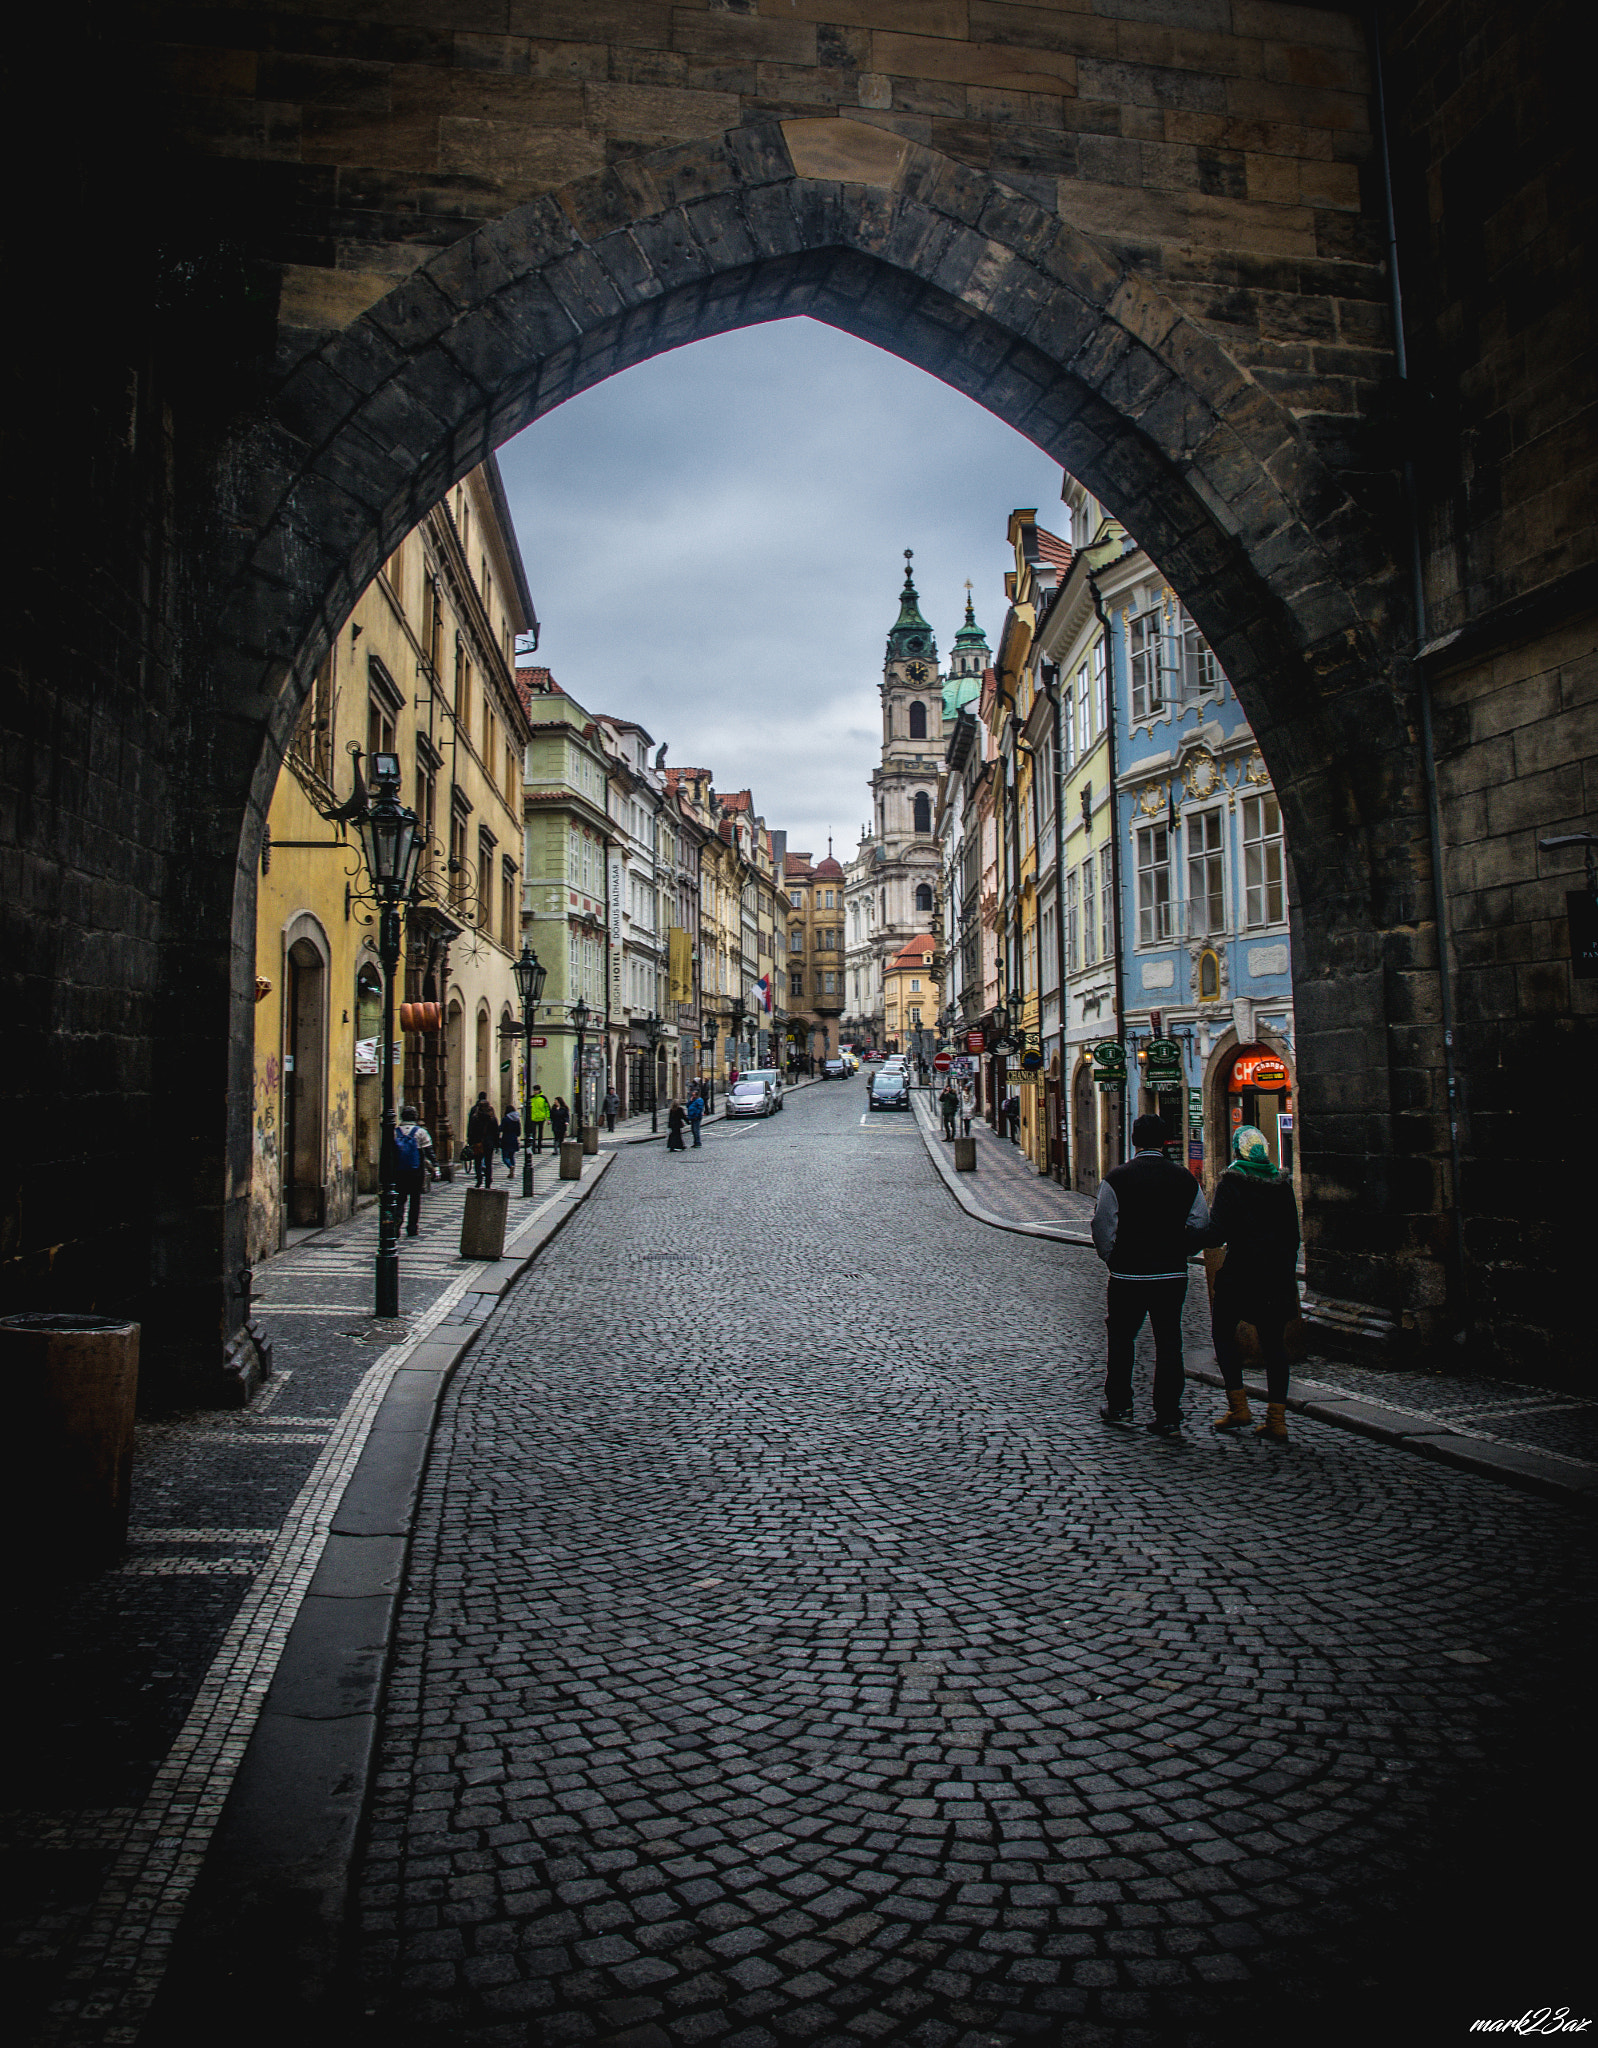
(1251, 1154)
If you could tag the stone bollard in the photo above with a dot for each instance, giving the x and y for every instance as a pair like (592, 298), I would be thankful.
(965, 1155)
(483, 1223)
(571, 1159)
(591, 1139)
(69, 1386)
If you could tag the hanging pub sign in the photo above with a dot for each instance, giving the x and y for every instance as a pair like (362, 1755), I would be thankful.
(1109, 1064)
(1163, 1064)
(1031, 1059)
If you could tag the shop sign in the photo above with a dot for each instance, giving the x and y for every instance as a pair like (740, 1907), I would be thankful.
(1163, 1064)
(1195, 1108)
(1032, 1059)
(1109, 1064)
(963, 1069)
(1258, 1070)
(976, 1041)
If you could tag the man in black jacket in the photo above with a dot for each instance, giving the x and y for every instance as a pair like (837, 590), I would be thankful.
(1150, 1215)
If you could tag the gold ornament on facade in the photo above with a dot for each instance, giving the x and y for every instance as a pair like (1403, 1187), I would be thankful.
(1254, 769)
(1152, 800)
(1201, 773)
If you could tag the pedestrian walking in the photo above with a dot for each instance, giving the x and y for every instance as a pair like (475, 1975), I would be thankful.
(559, 1118)
(1150, 1215)
(482, 1135)
(949, 1103)
(696, 1115)
(510, 1139)
(967, 1108)
(537, 1118)
(415, 1164)
(1012, 1117)
(610, 1105)
(1256, 1218)
(676, 1118)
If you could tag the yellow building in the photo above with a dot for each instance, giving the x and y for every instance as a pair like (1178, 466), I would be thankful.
(910, 995)
(815, 963)
(421, 669)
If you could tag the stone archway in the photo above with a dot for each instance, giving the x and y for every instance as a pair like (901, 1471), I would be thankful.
(954, 272)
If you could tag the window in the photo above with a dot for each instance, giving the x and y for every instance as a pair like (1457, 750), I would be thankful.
(796, 984)
(1089, 949)
(923, 811)
(918, 721)
(1101, 686)
(1148, 684)
(1084, 711)
(312, 743)
(485, 878)
(508, 917)
(924, 896)
(1153, 885)
(380, 730)
(1206, 879)
(796, 942)
(457, 858)
(1209, 976)
(1073, 883)
(426, 811)
(1201, 672)
(1107, 901)
(831, 981)
(915, 985)
(830, 941)
(1264, 882)
(829, 903)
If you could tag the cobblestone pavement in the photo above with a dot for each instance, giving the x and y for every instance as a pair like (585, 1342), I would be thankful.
(105, 1671)
(789, 1654)
(1008, 1183)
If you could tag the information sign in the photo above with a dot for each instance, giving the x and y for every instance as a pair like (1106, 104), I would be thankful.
(1195, 1108)
(1162, 1067)
(1109, 1064)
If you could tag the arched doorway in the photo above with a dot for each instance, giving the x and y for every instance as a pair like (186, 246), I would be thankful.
(1254, 1085)
(368, 1079)
(1085, 1130)
(455, 1057)
(483, 1077)
(305, 1082)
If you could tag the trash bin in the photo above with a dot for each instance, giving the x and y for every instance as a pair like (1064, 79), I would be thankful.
(591, 1139)
(483, 1223)
(965, 1155)
(571, 1159)
(70, 1383)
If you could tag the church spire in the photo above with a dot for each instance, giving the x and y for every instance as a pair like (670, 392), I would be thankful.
(911, 635)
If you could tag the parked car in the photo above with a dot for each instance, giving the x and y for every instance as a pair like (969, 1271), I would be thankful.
(834, 1070)
(888, 1091)
(752, 1095)
(871, 1053)
(771, 1074)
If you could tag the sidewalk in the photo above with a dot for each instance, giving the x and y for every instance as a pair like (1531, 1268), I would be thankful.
(634, 1130)
(1534, 1438)
(138, 1688)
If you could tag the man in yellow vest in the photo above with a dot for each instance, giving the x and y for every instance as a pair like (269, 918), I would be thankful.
(537, 1119)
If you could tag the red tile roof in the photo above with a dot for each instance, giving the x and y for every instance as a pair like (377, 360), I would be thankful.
(1053, 549)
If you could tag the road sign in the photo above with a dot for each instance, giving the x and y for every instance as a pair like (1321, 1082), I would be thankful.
(943, 1061)
(538, 1041)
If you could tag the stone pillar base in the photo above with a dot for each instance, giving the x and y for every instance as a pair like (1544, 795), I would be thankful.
(483, 1223)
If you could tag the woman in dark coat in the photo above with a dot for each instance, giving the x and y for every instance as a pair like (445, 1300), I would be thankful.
(559, 1117)
(676, 1117)
(1255, 1216)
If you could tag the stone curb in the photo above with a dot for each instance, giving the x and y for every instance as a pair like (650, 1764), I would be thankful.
(959, 1185)
(276, 1876)
(1541, 1472)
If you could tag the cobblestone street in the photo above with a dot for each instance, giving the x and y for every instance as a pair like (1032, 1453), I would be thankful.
(789, 1654)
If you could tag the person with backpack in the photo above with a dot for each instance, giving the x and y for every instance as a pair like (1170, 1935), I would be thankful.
(559, 1118)
(537, 1118)
(482, 1135)
(696, 1114)
(414, 1165)
(949, 1103)
(1150, 1215)
(510, 1138)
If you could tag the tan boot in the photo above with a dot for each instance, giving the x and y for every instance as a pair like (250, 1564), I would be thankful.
(1238, 1413)
(1275, 1423)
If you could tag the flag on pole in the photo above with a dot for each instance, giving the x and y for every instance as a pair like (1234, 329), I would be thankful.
(763, 990)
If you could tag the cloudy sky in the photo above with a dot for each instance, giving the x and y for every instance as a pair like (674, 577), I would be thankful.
(715, 542)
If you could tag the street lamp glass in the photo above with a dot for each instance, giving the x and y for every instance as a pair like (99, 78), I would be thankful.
(392, 846)
(530, 975)
(580, 1014)
(1012, 1003)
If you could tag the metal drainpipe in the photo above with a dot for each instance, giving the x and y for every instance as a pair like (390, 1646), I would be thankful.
(1434, 827)
(1113, 696)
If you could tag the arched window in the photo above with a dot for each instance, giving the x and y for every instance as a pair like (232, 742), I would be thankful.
(923, 811)
(924, 896)
(1209, 978)
(918, 721)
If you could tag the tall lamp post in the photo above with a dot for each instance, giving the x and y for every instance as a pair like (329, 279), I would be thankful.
(392, 845)
(580, 1016)
(530, 975)
(737, 1030)
(656, 1031)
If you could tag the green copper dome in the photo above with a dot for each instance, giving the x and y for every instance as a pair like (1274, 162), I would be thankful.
(911, 635)
(970, 656)
(970, 634)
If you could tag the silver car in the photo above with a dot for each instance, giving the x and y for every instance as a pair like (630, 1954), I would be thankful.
(751, 1096)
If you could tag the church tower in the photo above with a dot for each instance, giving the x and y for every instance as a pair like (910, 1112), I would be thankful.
(963, 684)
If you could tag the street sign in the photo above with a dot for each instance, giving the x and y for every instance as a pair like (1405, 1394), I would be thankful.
(1195, 1108)
(538, 1041)
(943, 1061)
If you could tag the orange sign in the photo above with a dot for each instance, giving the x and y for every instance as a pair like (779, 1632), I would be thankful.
(1257, 1070)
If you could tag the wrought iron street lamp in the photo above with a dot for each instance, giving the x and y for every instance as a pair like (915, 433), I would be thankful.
(1014, 1002)
(392, 843)
(737, 1031)
(531, 974)
(580, 1016)
(656, 1031)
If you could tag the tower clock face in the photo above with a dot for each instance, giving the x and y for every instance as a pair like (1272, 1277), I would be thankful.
(917, 671)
